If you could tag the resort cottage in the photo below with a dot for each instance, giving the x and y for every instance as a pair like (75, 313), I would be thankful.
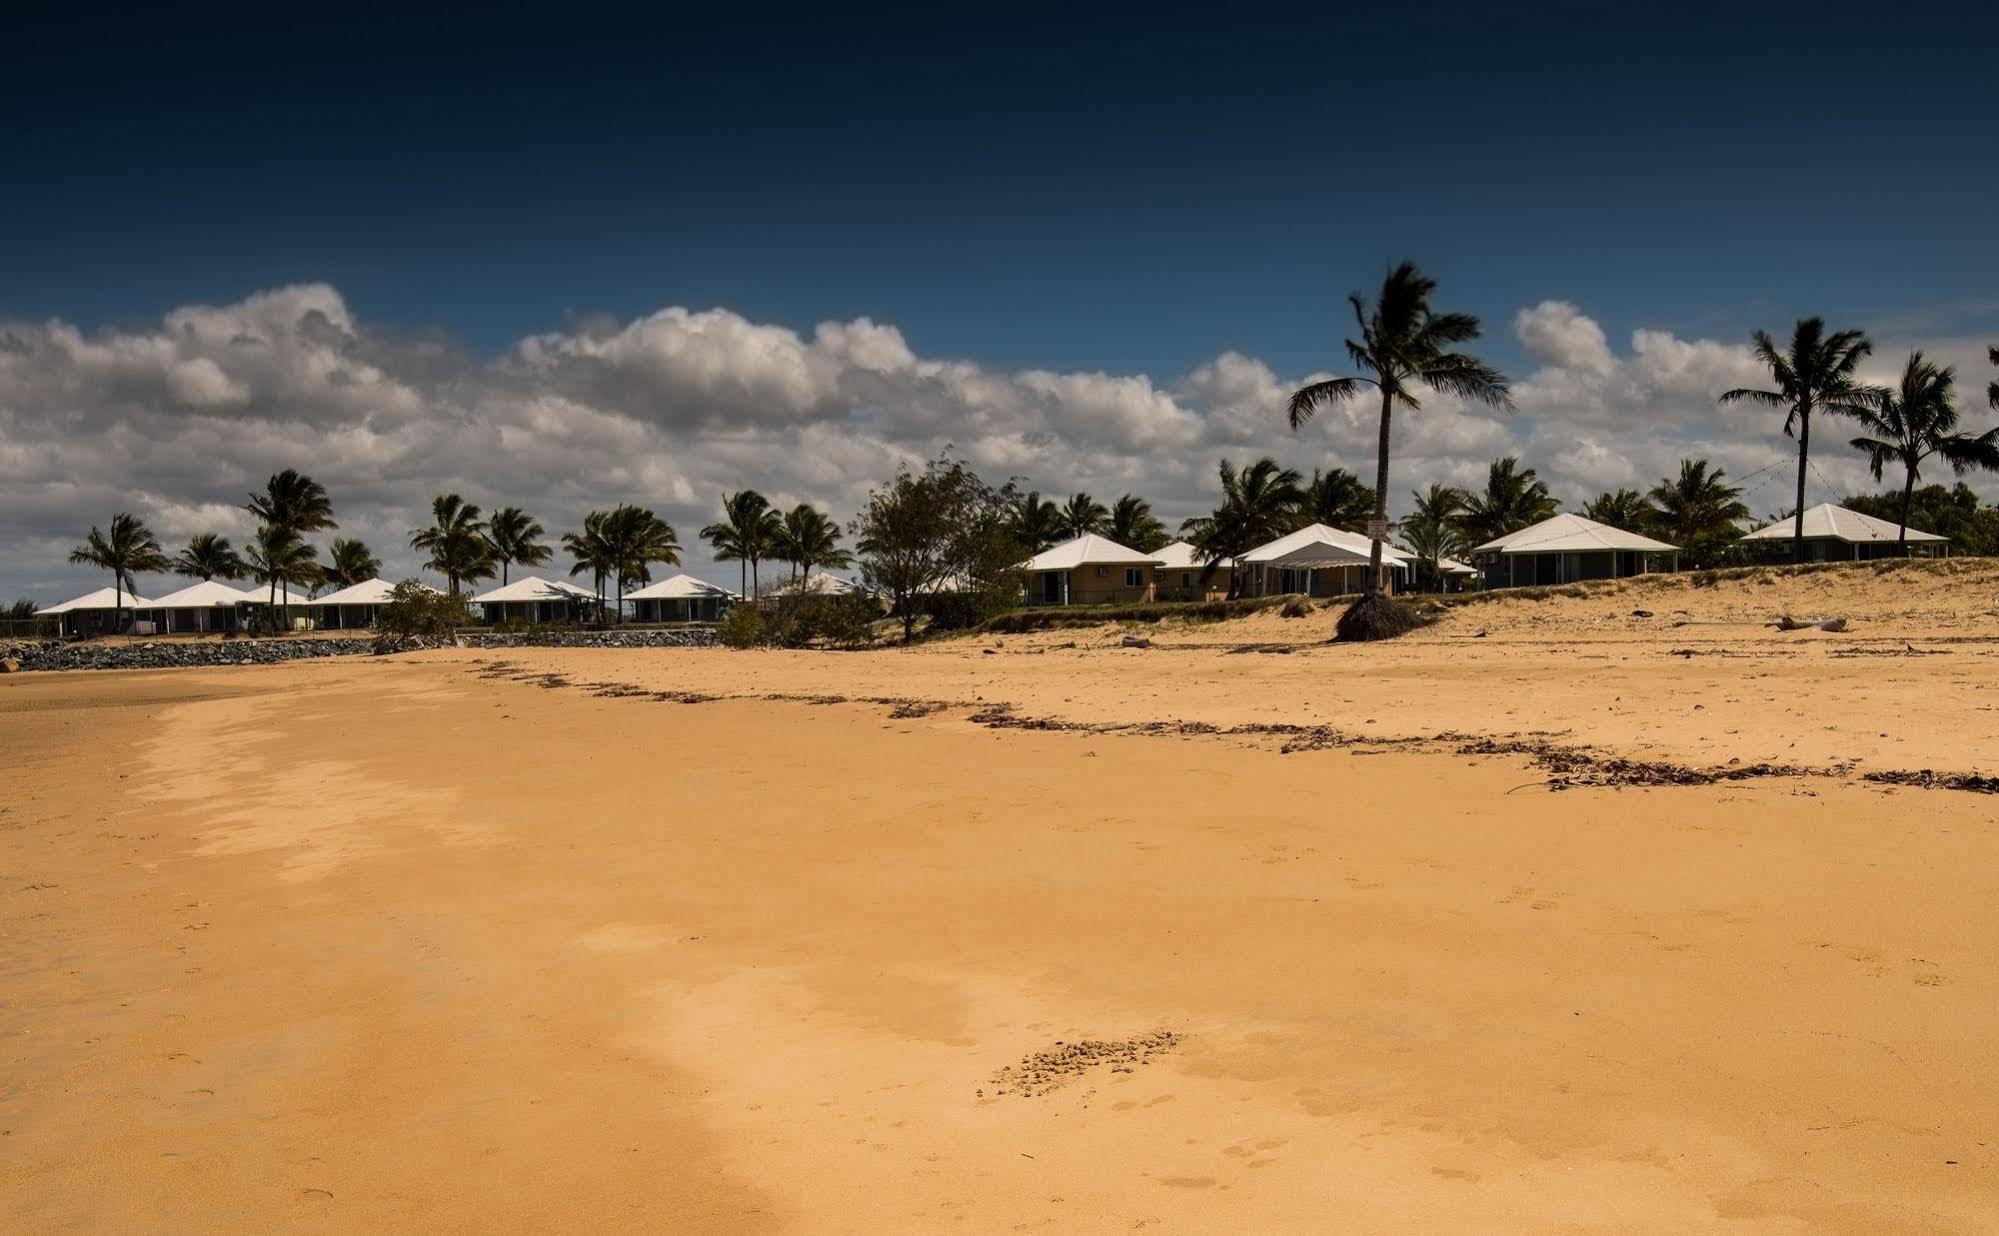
(1089, 570)
(100, 613)
(538, 601)
(1321, 561)
(1182, 576)
(1567, 548)
(353, 607)
(1835, 534)
(681, 598)
(209, 606)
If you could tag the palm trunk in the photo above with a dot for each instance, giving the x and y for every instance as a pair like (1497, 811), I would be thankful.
(1908, 497)
(1374, 573)
(1804, 456)
(117, 598)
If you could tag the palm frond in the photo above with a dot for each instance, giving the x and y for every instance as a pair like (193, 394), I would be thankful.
(1307, 400)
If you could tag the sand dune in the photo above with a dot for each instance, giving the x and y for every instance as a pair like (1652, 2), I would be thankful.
(472, 941)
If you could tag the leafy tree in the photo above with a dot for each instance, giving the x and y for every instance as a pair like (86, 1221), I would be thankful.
(1259, 503)
(1914, 421)
(1952, 511)
(19, 609)
(747, 533)
(1431, 531)
(1134, 524)
(128, 549)
(1083, 515)
(350, 563)
(1035, 522)
(1698, 511)
(515, 536)
(942, 529)
(1816, 374)
(1403, 344)
(808, 539)
(1338, 499)
(1623, 508)
(209, 556)
(456, 541)
(295, 504)
(1992, 388)
(1512, 499)
(416, 609)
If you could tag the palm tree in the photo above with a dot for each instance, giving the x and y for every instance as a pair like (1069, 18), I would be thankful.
(808, 539)
(637, 538)
(1338, 499)
(1992, 388)
(280, 557)
(516, 536)
(1624, 508)
(1082, 515)
(351, 563)
(126, 550)
(1698, 510)
(1915, 420)
(1403, 343)
(1429, 528)
(209, 556)
(747, 533)
(1512, 499)
(295, 503)
(593, 549)
(455, 540)
(1258, 503)
(1036, 522)
(1815, 375)
(1134, 524)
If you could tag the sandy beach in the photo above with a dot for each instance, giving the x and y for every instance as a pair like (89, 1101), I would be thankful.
(1238, 931)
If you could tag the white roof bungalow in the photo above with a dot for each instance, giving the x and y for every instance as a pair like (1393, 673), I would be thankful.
(1088, 570)
(101, 613)
(1317, 560)
(534, 599)
(355, 606)
(209, 605)
(1565, 548)
(1183, 575)
(1833, 534)
(680, 598)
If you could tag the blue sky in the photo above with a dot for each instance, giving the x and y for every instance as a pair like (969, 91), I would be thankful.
(1131, 190)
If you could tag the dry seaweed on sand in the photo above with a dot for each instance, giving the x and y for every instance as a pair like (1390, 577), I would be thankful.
(1042, 1071)
(1377, 617)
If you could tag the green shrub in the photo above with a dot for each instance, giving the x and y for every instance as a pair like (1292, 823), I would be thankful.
(416, 610)
(742, 627)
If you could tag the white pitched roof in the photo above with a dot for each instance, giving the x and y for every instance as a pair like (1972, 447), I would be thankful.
(1322, 545)
(1451, 566)
(202, 595)
(368, 592)
(1181, 556)
(1086, 550)
(678, 587)
(103, 598)
(534, 588)
(1567, 534)
(1827, 520)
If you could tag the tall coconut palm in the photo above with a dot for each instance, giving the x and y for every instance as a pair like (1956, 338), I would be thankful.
(1815, 374)
(808, 539)
(1035, 522)
(1698, 510)
(209, 556)
(1992, 388)
(281, 558)
(350, 563)
(295, 503)
(1338, 499)
(455, 540)
(1403, 344)
(1082, 515)
(1513, 498)
(1916, 420)
(746, 534)
(516, 536)
(1624, 508)
(1258, 503)
(126, 550)
(636, 539)
(1134, 524)
(1430, 530)
(594, 549)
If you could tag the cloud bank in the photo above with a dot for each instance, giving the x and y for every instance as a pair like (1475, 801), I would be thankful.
(178, 422)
